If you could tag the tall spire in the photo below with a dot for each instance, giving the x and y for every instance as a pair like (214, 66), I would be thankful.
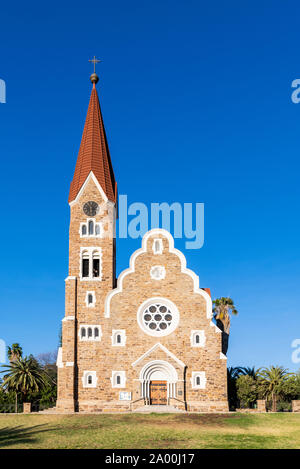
(94, 152)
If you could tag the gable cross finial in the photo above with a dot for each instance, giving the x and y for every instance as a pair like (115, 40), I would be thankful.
(94, 77)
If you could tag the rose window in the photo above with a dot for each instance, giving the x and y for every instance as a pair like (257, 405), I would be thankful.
(157, 317)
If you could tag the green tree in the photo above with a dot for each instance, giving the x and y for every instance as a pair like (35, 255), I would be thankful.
(272, 382)
(246, 390)
(291, 387)
(223, 309)
(232, 375)
(24, 376)
(248, 371)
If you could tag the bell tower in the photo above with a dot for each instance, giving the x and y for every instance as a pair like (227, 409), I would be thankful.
(92, 252)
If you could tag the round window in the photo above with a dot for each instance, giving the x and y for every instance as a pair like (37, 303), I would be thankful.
(158, 317)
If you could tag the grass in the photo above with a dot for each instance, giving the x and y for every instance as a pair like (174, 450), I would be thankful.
(151, 431)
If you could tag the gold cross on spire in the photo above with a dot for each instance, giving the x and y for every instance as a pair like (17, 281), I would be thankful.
(95, 61)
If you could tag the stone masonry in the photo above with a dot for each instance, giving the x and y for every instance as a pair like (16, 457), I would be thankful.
(89, 367)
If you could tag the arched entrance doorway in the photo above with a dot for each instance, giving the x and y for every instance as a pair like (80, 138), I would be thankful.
(158, 382)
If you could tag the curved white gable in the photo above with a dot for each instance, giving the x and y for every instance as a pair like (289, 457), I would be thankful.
(143, 249)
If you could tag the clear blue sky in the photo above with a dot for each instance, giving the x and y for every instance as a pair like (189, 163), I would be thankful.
(196, 98)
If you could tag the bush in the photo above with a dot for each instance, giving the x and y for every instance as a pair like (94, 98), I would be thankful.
(246, 391)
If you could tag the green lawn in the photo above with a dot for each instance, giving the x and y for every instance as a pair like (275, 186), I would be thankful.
(150, 431)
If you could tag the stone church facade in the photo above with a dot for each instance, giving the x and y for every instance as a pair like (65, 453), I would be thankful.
(146, 338)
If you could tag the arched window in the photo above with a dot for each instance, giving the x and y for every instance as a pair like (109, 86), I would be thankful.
(96, 332)
(85, 264)
(96, 264)
(91, 227)
(198, 380)
(157, 246)
(83, 230)
(89, 379)
(90, 332)
(118, 338)
(83, 332)
(90, 298)
(118, 379)
(198, 338)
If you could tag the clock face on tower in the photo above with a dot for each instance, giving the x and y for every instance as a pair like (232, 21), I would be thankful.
(91, 208)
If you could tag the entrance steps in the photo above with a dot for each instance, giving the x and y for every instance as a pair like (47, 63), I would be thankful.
(158, 409)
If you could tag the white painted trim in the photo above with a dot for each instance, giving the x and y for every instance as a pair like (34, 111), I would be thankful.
(162, 272)
(142, 250)
(113, 337)
(92, 176)
(113, 378)
(217, 329)
(59, 362)
(153, 365)
(85, 375)
(70, 277)
(86, 224)
(164, 349)
(93, 304)
(69, 363)
(201, 375)
(93, 338)
(90, 250)
(68, 318)
(202, 336)
(222, 356)
(163, 301)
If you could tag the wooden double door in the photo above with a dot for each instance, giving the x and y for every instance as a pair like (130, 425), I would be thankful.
(158, 393)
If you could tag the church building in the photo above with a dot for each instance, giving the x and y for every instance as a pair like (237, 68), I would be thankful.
(145, 338)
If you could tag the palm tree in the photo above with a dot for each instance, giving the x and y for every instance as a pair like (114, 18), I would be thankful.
(14, 352)
(223, 309)
(24, 375)
(271, 381)
(248, 371)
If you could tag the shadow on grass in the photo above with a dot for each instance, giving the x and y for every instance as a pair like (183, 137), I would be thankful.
(20, 434)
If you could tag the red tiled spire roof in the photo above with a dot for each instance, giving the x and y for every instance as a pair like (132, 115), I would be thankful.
(94, 152)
